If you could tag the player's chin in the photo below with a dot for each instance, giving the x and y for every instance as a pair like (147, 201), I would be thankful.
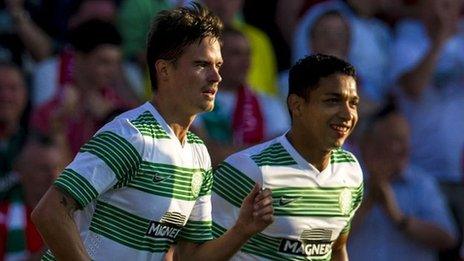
(337, 143)
(207, 106)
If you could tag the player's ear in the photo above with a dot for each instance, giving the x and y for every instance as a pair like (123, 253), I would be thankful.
(295, 105)
(162, 69)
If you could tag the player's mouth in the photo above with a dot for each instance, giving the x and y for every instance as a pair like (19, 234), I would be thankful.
(210, 93)
(341, 129)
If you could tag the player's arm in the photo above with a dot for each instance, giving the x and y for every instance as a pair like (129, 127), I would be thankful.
(53, 217)
(339, 252)
(256, 213)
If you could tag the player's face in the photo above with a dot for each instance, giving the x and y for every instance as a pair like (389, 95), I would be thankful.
(194, 78)
(329, 115)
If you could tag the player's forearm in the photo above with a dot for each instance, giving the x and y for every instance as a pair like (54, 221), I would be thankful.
(221, 248)
(55, 223)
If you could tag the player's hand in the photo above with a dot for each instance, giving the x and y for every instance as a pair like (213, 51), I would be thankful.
(256, 212)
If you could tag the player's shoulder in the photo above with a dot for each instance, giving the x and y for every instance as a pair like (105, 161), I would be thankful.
(125, 125)
(341, 155)
(248, 160)
(346, 162)
(249, 154)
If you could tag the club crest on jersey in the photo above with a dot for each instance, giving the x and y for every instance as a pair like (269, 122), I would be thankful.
(345, 201)
(168, 227)
(197, 181)
(312, 243)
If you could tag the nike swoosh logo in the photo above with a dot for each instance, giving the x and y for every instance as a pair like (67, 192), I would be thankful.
(286, 200)
(158, 178)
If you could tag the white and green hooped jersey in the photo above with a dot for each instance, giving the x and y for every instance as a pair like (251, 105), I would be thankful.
(140, 188)
(311, 208)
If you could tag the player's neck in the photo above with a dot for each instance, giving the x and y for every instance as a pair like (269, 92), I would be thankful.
(308, 150)
(176, 119)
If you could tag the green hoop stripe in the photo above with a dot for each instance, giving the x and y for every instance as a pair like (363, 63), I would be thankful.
(116, 152)
(341, 156)
(231, 184)
(48, 256)
(207, 184)
(320, 202)
(197, 231)
(76, 186)
(125, 228)
(193, 139)
(171, 181)
(274, 155)
(148, 126)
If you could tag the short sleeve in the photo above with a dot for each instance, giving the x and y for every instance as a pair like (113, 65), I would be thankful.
(110, 158)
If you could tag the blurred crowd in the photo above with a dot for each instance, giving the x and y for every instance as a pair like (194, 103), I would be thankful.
(68, 66)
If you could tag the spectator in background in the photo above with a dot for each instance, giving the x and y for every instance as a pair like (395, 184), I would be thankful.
(452, 128)
(56, 17)
(57, 70)
(404, 215)
(241, 117)
(21, 40)
(427, 66)
(133, 23)
(39, 163)
(328, 32)
(262, 15)
(105, 10)
(369, 43)
(262, 75)
(288, 15)
(13, 120)
(88, 89)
